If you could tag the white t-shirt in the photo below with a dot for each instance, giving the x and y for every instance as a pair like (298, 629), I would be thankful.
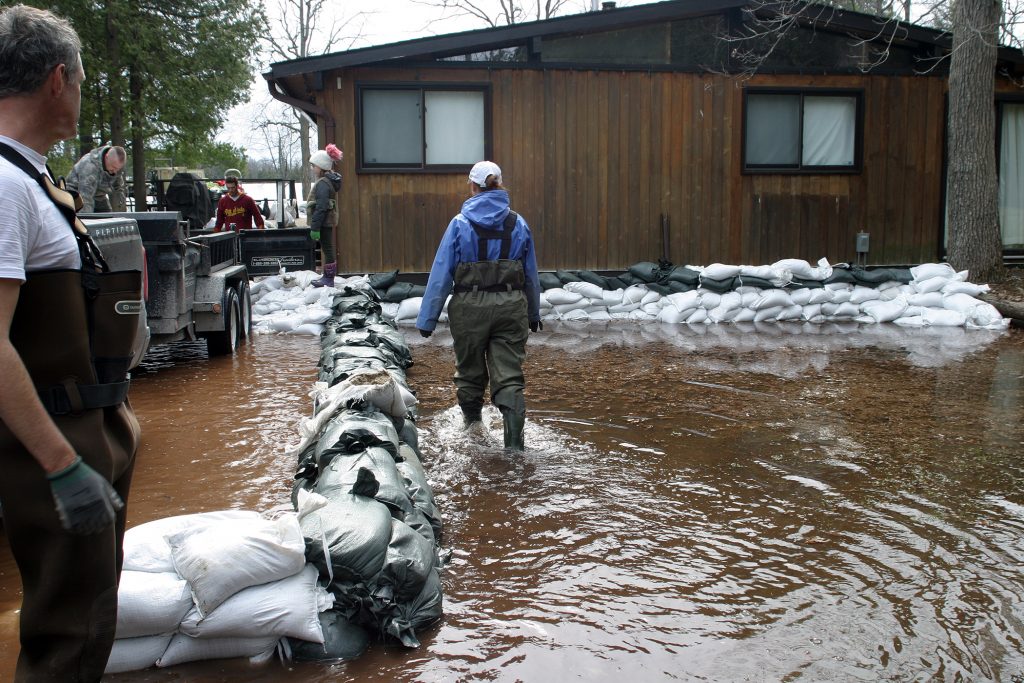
(34, 235)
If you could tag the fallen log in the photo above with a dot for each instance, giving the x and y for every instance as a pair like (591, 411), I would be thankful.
(1009, 309)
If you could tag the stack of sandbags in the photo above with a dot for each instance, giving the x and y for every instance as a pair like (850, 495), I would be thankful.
(932, 294)
(289, 303)
(365, 508)
(215, 585)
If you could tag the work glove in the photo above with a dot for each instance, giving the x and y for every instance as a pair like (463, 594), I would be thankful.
(536, 326)
(426, 333)
(86, 502)
(314, 235)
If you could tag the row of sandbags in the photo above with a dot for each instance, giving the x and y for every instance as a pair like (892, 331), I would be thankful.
(366, 509)
(926, 295)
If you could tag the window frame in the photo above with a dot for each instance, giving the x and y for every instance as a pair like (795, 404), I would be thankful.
(799, 168)
(423, 88)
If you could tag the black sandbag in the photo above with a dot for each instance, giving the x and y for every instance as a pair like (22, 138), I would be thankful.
(407, 618)
(800, 283)
(414, 478)
(684, 275)
(353, 431)
(354, 531)
(629, 279)
(343, 368)
(877, 276)
(613, 282)
(753, 281)
(408, 564)
(591, 277)
(840, 275)
(664, 290)
(718, 286)
(646, 271)
(383, 280)
(407, 435)
(549, 281)
(674, 286)
(417, 290)
(343, 640)
(398, 292)
(342, 471)
(565, 276)
(384, 337)
(421, 525)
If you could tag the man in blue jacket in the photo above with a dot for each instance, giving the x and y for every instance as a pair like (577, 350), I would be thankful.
(487, 254)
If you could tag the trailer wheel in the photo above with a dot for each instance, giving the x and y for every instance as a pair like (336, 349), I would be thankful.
(245, 309)
(225, 343)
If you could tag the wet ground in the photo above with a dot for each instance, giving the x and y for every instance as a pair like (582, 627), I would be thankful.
(723, 503)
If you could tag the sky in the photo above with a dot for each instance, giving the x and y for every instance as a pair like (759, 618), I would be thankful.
(383, 22)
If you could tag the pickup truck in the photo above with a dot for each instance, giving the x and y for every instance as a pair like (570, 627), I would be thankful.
(195, 287)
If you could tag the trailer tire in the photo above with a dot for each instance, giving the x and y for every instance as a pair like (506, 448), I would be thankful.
(224, 343)
(244, 309)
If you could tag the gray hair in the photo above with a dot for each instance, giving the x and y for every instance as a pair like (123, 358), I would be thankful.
(32, 43)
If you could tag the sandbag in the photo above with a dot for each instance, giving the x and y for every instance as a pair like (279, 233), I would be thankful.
(719, 271)
(407, 618)
(930, 270)
(136, 654)
(549, 281)
(223, 558)
(184, 648)
(151, 603)
(341, 473)
(591, 277)
(342, 640)
(397, 292)
(383, 281)
(565, 276)
(146, 548)
(346, 537)
(408, 564)
(353, 431)
(645, 271)
(682, 274)
(720, 285)
(586, 289)
(561, 296)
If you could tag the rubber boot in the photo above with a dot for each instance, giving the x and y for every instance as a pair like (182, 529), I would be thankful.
(514, 424)
(327, 280)
(471, 414)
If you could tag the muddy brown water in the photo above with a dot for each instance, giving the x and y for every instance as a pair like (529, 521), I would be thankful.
(720, 503)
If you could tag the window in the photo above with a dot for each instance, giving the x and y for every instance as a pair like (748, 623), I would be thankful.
(422, 128)
(811, 131)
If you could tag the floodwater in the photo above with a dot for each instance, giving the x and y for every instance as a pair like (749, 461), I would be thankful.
(721, 503)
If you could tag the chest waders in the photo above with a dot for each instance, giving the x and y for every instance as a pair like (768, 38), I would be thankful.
(328, 257)
(489, 323)
(74, 330)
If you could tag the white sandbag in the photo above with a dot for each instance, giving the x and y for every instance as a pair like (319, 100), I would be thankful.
(640, 315)
(374, 386)
(634, 294)
(942, 317)
(184, 648)
(986, 315)
(723, 313)
(146, 548)
(575, 314)
(672, 316)
(843, 310)
(652, 308)
(289, 607)
(769, 313)
(885, 311)
(772, 298)
(292, 305)
(261, 309)
(136, 654)
(698, 316)
(861, 294)
(558, 296)
(838, 286)
(309, 329)
(910, 321)
(315, 315)
(285, 323)
(926, 271)
(932, 284)
(969, 288)
(681, 301)
(749, 297)
(586, 289)
(720, 271)
(791, 312)
(709, 299)
(650, 297)
(409, 309)
(964, 303)
(927, 300)
(804, 270)
(389, 309)
(889, 293)
(810, 311)
(223, 558)
(581, 305)
(619, 316)
(150, 603)
(612, 297)
(801, 297)
(822, 296)
(623, 308)
(745, 315)
(841, 296)
(601, 315)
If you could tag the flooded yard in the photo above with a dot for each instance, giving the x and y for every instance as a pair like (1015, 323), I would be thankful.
(709, 503)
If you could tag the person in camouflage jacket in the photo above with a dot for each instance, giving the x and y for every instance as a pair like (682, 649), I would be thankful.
(98, 177)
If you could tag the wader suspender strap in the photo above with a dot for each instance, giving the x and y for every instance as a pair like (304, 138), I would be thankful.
(71, 397)
(485, 234)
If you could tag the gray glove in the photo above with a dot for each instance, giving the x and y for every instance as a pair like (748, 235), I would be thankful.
(86, 502)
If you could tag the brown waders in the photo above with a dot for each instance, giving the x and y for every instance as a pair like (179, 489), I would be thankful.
(74, 331)
(488, 317)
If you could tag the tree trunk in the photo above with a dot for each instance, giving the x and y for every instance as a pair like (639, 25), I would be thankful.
(972, 189)
(304, 151)
(114, 78)
(137, 122)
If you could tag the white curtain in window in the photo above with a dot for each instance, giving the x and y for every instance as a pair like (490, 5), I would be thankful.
(773, 130)
(830, 126)
(455, 126)
(392, 132)
(1011, 175)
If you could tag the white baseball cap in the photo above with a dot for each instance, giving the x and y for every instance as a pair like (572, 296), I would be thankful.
(482, 170)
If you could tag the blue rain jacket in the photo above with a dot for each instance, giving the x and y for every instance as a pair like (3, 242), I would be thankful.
(459, 245)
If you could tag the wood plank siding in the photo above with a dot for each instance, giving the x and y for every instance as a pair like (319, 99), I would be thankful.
(596, 160)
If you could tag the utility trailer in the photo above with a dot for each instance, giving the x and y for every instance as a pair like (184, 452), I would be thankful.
(196, 286)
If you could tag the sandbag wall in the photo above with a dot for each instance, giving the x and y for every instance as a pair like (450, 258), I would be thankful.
(365, 507)
(931, 294)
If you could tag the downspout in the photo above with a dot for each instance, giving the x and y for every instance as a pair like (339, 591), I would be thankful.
(313, 110)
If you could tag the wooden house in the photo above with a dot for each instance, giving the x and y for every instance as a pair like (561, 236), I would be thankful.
(633, 134)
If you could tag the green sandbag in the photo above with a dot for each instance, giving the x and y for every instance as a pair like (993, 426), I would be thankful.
(645, 271)
(675, 286)
(417, 290)
(549, 281)
(799, 283)
(591, 277)
(751, 281)
(343, 639)
(383, 280)
(718, 286)
(565, 276)
(615, 282)
(664, 290)
(684, 275)
(397, 292)
(877, 276)
(842, 275)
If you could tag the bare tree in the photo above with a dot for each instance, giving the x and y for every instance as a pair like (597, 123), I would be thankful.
(305, 30)
(496, 13)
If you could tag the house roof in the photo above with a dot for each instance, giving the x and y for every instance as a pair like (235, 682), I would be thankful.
(452, 44)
